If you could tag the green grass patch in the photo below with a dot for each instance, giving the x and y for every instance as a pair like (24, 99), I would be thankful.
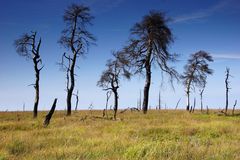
(159, 135)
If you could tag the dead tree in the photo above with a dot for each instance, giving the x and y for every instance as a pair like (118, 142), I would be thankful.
(227, 88)
(28, 46)
(194, 105)
(50, 113)
(77, 99)
(148, 46)
(76, 38)
(109, 79)
(177, 104)
(140, 99)
(196, 71)
(201, 95)
(159, 100)
(207, 110)
(108, 95)
(234, 107)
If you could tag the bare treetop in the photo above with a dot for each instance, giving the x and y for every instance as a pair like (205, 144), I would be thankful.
(115, 68)
(197, 69)
(75, 36)
(196, 72)
(26, 45)
(147, 47)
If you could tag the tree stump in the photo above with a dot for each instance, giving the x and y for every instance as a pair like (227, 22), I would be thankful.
(50, 113)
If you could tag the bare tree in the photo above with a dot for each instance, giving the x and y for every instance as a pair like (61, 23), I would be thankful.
(147, 46)
(201, 94)
(196, 71)
(76, 38)
(177, 104)
(108, 95)
(140, 100)
(28, 46)
(159, 100)
(77, 100)
(227, 87)
(109, 79)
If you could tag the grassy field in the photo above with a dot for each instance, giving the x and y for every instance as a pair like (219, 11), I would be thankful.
(158, 135)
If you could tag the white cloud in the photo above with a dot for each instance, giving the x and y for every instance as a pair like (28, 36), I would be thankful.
(227, 56)
(203, 13)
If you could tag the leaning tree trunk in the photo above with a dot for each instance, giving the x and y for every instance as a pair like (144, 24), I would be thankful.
(50, 113)
(70, 90)
(36, 86)
(115, 104)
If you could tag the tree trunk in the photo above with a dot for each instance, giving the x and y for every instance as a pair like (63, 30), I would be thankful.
(146, 90)
(115, 104)
(50, 113)
(159, 100)
(148, 79)
(36, 86)
(140, 100)
(234, 107)
(188, 101)
(77, 99)
(201, 97)
(72, 85)
(227, 89)
(194, 105)
(108, 94)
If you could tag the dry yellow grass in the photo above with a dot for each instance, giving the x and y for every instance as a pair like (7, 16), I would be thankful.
(158, 135)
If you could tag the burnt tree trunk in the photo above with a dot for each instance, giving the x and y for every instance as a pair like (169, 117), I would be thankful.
(148, 79)
(188, 100)
(50, 113)
(36, 61)
(140, 100)
(234, 106)
(36, 86)
(201, 96)
(72, 67)
(194, 105)
(115, 104)
(77, 100)
(108, 94)
(72, 85)
(227, 88)
(177, 104)
(159, 100)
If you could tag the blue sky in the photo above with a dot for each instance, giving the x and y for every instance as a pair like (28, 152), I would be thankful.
(212, 26)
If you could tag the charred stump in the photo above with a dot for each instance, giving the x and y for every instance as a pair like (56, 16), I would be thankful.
(50, 113)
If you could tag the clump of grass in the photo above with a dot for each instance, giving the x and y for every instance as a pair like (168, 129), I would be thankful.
(17, 147)
(2, 157)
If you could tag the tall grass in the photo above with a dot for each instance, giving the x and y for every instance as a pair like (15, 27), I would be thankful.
(158, 135)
